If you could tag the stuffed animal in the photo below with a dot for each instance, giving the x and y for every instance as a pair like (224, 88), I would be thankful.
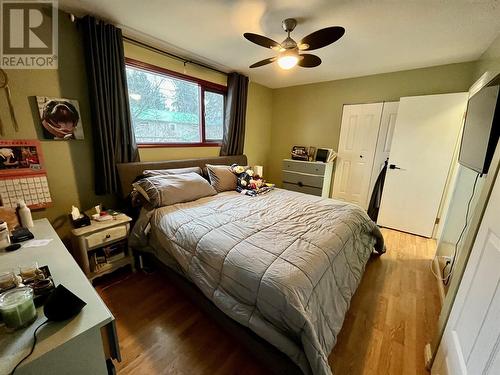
(247, 181)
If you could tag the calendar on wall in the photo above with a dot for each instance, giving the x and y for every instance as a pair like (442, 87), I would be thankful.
(22, 174)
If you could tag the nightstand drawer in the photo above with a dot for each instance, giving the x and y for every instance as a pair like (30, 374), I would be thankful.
(105, 236)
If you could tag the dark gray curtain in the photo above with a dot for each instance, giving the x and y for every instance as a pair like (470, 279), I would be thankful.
(114, 140)
(235, 113)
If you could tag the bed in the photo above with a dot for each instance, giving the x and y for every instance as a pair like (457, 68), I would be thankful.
(285, 265)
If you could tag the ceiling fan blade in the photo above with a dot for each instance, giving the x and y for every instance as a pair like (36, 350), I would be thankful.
(263, 62)
(309, 61)
(321, 38)
(262, 40)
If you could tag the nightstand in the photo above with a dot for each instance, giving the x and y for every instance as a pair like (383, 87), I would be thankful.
(102, 247)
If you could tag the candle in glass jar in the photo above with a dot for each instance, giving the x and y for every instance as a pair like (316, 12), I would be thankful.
(17, 308)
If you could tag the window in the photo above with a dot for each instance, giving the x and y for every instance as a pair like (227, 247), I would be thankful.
(169, 108)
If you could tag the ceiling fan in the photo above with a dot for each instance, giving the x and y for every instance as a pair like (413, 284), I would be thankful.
(289, 51)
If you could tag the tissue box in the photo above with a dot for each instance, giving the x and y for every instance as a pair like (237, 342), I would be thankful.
(82, 221)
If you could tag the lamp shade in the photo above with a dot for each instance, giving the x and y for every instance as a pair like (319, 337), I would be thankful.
(258, 170)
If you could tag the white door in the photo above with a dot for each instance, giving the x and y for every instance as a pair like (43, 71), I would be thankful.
(358, 140)
(384, 139)
(471, 340)
(426, 132)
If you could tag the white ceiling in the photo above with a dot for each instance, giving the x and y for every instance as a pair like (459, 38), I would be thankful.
(381, 35)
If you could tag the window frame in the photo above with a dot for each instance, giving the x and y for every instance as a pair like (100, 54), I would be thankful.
(203, 86)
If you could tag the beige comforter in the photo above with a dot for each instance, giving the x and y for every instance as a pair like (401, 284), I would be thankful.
(284, 264)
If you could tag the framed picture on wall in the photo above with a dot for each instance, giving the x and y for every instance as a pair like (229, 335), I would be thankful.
(60, 118)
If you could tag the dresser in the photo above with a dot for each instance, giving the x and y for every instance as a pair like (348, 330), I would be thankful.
(309, 177)
(76, 346)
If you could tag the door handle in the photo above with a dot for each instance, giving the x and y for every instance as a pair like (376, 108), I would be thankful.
(394, 166)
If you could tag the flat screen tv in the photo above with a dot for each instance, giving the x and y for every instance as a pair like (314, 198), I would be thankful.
(481, 129)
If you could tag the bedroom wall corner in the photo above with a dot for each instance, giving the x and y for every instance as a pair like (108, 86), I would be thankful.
(489, 60)
(258, 126)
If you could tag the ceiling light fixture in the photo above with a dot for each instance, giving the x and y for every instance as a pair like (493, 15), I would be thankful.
(288, 59)
(290, 52)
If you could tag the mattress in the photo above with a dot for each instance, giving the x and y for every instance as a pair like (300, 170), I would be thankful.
(284, 264)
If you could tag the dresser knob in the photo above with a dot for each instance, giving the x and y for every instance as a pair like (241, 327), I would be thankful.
(300, 184)
(108, 236)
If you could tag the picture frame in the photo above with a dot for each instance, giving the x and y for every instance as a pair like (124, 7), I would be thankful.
(312, 153)
(60, 118)
(300, 153)
(324, 155)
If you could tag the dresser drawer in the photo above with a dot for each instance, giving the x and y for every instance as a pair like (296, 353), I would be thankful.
(105, 236)
(304, 167)
(303, 179)
(303, 189)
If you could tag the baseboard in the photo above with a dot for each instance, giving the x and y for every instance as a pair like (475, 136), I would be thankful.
(437, 271)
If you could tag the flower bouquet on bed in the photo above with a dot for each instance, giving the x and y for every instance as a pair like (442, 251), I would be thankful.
(249, 183)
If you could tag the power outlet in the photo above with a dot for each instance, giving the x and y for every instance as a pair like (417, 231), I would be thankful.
(447, 258)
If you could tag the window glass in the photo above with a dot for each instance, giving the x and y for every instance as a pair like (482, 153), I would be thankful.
(214, 115)
(163, 109)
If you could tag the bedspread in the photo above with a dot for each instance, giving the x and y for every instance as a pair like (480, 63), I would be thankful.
(284, 264)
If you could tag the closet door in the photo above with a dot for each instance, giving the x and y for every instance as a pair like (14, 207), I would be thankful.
(384, 140)
(358, 141)
(425, 136)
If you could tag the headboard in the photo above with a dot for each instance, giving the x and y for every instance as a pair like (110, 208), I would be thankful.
(129, 171)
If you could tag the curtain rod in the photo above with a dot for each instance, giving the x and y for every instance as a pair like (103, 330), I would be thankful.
(169, 54)
(158, 50)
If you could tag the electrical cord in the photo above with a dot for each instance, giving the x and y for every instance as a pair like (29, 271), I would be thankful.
(432, 269)
(32, 347)
(448, 276)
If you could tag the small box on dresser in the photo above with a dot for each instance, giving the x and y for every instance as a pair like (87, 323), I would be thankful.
(309, 177)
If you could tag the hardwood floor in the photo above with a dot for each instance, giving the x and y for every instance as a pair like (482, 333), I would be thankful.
(394, 312)
(392, 316)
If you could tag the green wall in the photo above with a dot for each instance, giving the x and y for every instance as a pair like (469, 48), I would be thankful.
(310, 115)
(69, 164)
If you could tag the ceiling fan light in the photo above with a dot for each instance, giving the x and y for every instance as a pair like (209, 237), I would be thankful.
(288, 61)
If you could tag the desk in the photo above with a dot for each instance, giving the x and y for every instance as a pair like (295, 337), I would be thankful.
(73, 346)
